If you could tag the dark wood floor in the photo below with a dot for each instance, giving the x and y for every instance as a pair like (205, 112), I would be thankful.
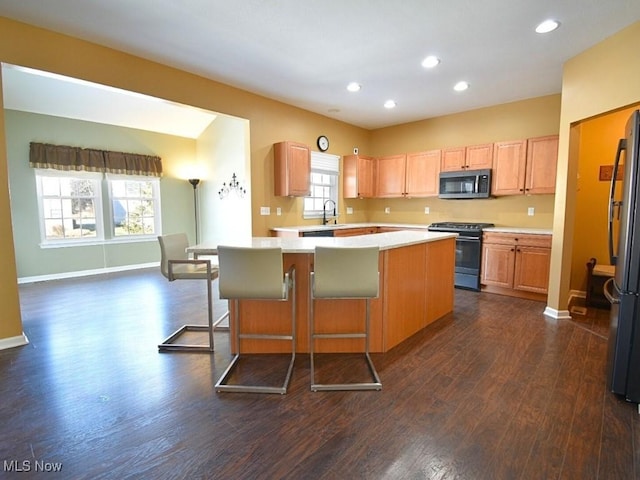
(493, 391)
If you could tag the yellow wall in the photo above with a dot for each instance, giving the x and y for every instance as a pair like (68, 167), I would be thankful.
(10, 322)
(601, 79)
(271, 122)
(598, 143)
(511, 121)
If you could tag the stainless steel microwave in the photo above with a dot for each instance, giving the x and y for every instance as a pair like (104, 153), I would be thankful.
(465, 184)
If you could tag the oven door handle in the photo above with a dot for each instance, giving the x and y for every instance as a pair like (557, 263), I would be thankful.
(468, 239)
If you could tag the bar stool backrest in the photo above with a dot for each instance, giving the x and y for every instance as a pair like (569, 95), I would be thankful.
(251, 273)
(172, 247)
(345, 272)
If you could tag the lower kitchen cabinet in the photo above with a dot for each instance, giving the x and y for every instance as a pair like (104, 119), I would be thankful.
(350, 232)
(516, 264)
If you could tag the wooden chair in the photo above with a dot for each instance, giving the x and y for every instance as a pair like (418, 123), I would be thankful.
(344, 273)
(175, 264)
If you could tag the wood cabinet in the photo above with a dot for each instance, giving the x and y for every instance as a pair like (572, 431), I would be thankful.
(542, 162)
(292, 169)
(410, 175)
(358, 176)
(473, 157)
(525, 166)
(516, 264)
(350, 232)
(391, 175)
(422, 171)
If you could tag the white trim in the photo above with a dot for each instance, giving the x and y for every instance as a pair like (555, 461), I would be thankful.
(554, 314)
(12, 342)
(85, 273)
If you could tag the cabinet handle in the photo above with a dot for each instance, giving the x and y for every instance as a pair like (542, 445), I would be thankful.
(522, 189)
(513, 249)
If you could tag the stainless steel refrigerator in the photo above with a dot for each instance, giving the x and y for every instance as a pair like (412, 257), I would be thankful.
(623, 290)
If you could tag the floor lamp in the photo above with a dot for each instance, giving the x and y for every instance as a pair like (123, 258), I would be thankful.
(194, 183)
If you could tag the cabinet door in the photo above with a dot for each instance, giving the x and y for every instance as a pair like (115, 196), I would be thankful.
(357, 176)
(366, 175)
(423, 170)
(497, 265)
(509, 170)
(542, 160)
(532, 269)
(452, 159)
(351, 232)
(292, 169)
(390, 175)
(478, 157)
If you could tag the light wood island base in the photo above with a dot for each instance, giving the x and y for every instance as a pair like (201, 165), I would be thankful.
(416, 289)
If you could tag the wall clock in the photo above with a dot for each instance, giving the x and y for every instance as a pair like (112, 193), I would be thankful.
(323, 143)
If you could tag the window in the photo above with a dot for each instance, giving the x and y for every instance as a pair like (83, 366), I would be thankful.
(72, 209)
(134, 206)
(324, 185)
(70, 206)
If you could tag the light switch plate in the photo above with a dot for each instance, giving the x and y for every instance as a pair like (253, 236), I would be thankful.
(531, 211)
(349, 210)
(278, 211)
(427, 210)
(387, 209)
(265, 211)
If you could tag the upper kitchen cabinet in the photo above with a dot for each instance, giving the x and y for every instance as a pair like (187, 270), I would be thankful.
(292, 169)
(542, 162)
(423, 169)
(390, 176)
(473, 157)
(358, 176)
(509, 162)
(525, 166)
(410, 175)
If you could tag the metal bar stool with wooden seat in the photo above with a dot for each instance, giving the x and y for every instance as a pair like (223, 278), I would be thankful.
(175, 264)
(344, 273)
(255, 274)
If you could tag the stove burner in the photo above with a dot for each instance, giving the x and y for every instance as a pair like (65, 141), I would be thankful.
(459, 226)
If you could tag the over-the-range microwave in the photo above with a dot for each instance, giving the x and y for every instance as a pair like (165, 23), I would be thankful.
(465, 184)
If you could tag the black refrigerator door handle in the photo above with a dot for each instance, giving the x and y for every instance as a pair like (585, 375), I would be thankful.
(622, 145)
(606, 289)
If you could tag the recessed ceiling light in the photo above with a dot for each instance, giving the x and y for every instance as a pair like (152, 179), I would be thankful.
(547, 26)
(390, 104)
(354, 87)
(430, 62)
(461, 86)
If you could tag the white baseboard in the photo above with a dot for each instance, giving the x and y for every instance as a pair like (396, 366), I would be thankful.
(555, 314)
(12, 342)
(85, 273)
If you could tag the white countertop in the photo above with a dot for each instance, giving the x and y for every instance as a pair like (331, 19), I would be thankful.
(343, 226)
(530, 231)
(384, 241)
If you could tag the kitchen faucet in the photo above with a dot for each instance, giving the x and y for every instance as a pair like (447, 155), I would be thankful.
(324, 212)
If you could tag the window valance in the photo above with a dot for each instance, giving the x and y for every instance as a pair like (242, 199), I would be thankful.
(63, 157)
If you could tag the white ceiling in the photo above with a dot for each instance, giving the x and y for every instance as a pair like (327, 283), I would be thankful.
(305, 52)
(34, 91)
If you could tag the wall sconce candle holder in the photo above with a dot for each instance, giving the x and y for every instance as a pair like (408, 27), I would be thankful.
(233, 186)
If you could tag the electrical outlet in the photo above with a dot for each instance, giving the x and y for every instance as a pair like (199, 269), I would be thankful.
(349, 210)
(387, 209)
(531, 211)
(265, 211)
(427, 210)
(278, 211)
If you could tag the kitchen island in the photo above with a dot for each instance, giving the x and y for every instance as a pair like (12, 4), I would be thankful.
(416, 288)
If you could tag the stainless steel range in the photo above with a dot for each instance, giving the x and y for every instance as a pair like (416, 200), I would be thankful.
(468, 251)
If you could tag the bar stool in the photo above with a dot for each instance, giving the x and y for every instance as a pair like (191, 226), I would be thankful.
(344, 273)
(255, 274)
(175, 264)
